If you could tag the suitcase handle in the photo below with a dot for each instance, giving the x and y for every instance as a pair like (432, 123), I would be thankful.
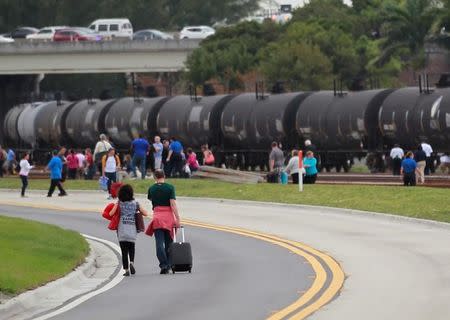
(175, 234)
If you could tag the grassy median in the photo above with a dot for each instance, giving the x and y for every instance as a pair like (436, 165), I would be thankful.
(33, 253)
(418, 202)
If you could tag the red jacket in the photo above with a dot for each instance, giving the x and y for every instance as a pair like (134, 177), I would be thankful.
(114, 220)
(163, 218)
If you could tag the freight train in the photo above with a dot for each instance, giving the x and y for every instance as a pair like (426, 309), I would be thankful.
(240, 128)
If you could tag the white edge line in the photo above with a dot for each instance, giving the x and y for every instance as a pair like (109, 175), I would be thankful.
(115, 281)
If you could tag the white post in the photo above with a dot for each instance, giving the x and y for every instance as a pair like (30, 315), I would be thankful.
(300, 171)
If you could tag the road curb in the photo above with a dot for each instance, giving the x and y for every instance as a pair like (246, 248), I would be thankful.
(100, 268)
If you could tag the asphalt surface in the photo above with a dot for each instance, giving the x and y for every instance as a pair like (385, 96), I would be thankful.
(396, 268)
(233, 276)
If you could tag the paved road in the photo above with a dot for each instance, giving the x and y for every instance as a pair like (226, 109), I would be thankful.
(396, 268)
(233, 277)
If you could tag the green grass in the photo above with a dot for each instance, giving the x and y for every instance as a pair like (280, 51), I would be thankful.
(418, 202)
(33, 254)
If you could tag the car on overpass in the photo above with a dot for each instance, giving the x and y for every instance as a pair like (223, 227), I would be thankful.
(76, 34)
(45, 34)
(113, 28)
(21, 32)
(151, 34)
(196, 32)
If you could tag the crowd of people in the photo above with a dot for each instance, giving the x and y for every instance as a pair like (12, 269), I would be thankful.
(415, 165)
(277, 160)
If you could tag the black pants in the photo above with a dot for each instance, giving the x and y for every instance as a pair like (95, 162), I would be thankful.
(112, 177)
(2, 162)
(396, 165)
(294, 177)
(73, 173)
(176, 165)
(24, 184)
(409, 179)
(429, 168)
(53, 184)
(128, 249)
(310, 179)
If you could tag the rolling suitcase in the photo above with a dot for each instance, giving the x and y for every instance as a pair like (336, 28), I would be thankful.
(180, 254)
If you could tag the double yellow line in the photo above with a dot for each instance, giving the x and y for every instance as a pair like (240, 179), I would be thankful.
(319, 294)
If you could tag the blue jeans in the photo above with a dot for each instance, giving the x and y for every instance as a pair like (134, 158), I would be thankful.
(163, 241)
(141, 160)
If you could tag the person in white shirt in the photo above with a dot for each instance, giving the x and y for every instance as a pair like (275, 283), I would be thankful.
(81, 163)
(25, 168)
(101, 149)
(292, 167)
(445, 163)
(397, 155)
(429, 161)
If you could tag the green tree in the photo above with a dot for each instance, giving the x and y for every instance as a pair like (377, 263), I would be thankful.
(408, 25)
(302, 62)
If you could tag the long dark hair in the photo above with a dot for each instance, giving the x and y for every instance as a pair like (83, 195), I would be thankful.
(126, 193)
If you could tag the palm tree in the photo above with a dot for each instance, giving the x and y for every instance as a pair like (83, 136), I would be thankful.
(408, 23)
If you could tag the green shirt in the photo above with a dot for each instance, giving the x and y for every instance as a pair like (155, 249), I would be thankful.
(160, 194)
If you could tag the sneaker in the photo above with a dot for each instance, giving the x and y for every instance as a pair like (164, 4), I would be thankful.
(62, 194)
(49, 196)
(126, 274)
(164, 271)
(132, 269)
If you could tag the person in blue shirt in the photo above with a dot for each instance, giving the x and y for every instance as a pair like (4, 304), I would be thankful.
(310, 165)
(409, 167)
(139, 148)
(175, 158)
(11, 160)
(55, 166)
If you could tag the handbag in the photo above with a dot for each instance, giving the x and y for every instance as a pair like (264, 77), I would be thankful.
(139, 218)
(103, 183)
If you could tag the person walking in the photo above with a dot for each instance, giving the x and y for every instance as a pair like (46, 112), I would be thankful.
(10, 161)
(292, 167)
(127, 208)
(101, 149)
(81, 163)
(89, 165)
(3, 156)
(25, 168)
(62, 156)
(165, 218)
(310, 165)
(408, 169)
(72, 164)
(139, 149)
(429, 167)
(396, 155)
(165, 154)
(276, 158)
(55, 166)
(420, 158)
(158, 152)
(110, 166)
(175, 158)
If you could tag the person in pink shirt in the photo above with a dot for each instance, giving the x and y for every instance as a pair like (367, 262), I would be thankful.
(191, 160)
(72, 164)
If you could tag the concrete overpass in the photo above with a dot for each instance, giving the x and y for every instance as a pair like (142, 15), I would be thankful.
(95, 57)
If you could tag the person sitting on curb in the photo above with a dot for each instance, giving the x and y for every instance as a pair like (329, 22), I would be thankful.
(165, 218)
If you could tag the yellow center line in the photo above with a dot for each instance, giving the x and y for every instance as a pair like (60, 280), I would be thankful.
(307, 252)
